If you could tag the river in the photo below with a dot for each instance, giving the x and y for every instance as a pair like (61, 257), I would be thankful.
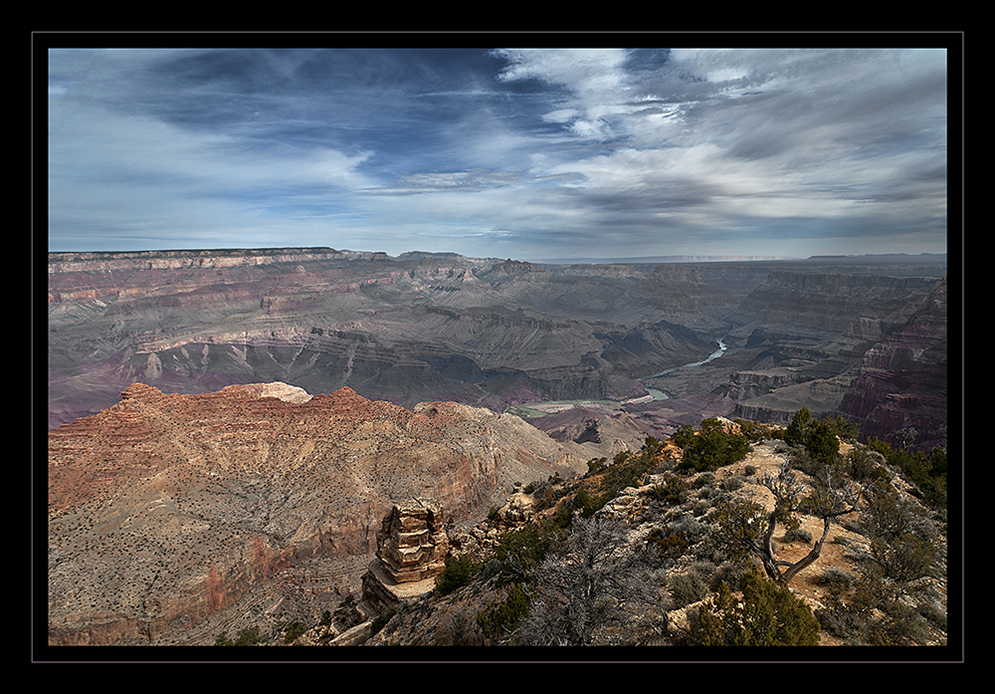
(546, 407)
(659, 394)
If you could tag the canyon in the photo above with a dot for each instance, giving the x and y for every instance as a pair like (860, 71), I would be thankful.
(504, 333)
(227, 429)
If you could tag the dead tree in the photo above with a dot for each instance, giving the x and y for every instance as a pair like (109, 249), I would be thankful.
(747, 527)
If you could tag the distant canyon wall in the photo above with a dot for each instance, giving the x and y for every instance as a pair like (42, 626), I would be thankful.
(481, 332)
(485, 332)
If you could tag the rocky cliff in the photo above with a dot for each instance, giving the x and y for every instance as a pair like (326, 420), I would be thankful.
(406, 330)
(902, 380)
(170, 513)
(834, 302)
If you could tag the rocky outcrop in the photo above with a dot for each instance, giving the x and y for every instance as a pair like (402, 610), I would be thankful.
(170, 511)
(411, 551)
(411, 543)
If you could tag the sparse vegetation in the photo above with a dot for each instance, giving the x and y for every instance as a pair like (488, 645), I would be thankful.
(246, 637)
(291, 630)
(590, 588)
(767, 614)
(927, 472)
(500, 619)
(458, 572)
(572, 576)
(745, 528)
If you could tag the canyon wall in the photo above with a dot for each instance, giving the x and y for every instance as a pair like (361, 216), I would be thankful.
(481, 332)
(485, 332)
(165, 510)
(901, 381)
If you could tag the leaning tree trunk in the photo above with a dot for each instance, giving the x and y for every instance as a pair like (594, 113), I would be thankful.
(783, 571)
(809, 558)
(830, 499)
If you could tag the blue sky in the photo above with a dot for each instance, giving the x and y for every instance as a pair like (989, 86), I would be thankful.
(521, 153)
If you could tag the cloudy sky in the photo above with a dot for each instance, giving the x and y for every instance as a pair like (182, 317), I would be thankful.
(521, 153)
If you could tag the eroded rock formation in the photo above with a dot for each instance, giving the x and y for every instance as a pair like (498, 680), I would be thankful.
(167, 512)
(411, 552)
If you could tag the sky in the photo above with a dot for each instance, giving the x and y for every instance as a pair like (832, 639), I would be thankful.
(525, 153)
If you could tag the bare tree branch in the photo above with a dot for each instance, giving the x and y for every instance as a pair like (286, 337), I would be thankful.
(744, 527)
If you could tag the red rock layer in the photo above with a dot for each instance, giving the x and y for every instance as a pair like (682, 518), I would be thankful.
(167, 509)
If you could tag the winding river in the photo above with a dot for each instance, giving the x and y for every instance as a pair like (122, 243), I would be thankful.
(659, 394)
(546, 407)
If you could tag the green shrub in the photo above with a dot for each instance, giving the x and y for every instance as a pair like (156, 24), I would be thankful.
(798, 535)
(519, 552)
(836, 579)
(459, 571)
(499, 619)
(294, 629)
(821, 442)
(711, 448)
(692, 586)
(630, 469)
(843, 427)
(730, 573)
(927, 473)
(756, 431)
(596, 465)
(704, 479)
(767, 615)
(796, 432)
(248, 637)
(731, 484)
(672, 491)
(588, 505)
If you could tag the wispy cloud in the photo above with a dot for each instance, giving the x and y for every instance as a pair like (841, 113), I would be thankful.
(624, 152)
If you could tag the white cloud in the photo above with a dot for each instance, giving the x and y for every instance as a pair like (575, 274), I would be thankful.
(705, 141)
(596, 79)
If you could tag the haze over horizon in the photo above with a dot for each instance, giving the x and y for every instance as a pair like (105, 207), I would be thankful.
(522, 153)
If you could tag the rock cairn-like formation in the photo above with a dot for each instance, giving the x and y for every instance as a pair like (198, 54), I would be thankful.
(411, 552)
(412, 542)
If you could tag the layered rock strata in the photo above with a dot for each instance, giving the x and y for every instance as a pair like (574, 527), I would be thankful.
(406, 330)
(171, 511)
(411, 551)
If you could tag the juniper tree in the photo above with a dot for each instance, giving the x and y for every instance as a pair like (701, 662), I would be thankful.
(746, 528)
(768, 614)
